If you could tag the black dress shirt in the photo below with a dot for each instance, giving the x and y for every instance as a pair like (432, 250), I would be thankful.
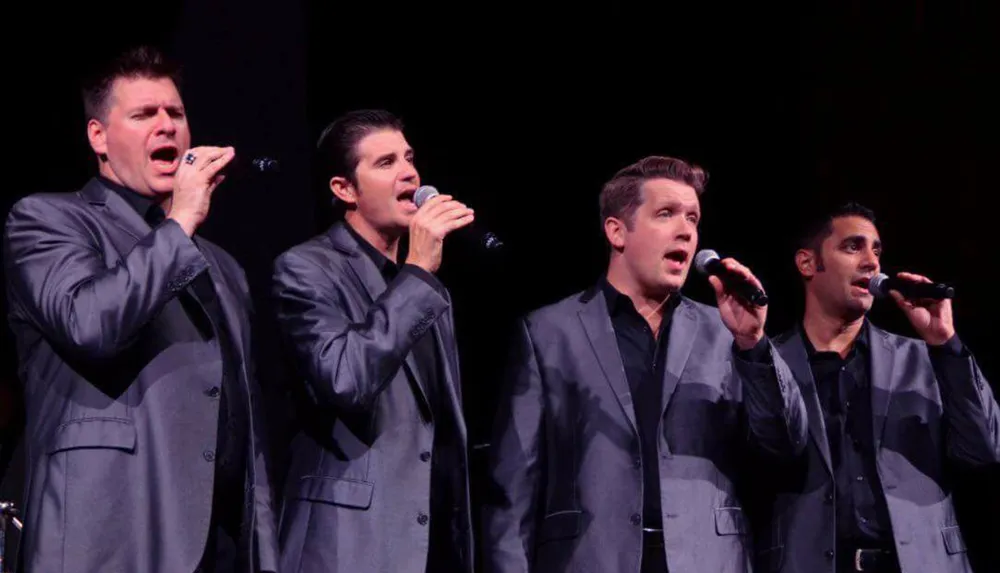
(844, 391)
(644, 357)
(205, 311)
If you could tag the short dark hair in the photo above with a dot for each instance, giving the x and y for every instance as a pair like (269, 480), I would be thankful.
(337, 147)
(137, 62)
(622, 194)
(820, 226)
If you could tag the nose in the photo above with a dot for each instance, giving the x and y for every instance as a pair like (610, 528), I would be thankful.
(165, 123)
(870, 262)
(687, 231)
(409, 173)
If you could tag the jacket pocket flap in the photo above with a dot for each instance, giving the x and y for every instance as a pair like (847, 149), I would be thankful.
(116, 433)
(953, 540)
(345, 492)
(729, 521)
(559, 525)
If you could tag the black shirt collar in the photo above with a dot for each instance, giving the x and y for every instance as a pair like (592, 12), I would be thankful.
(386, 267)
(860, 343)
(619, 302)
(143, 205)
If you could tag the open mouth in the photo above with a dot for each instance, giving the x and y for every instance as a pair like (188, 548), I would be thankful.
(679, 256)
(165, 157)
(861, 283)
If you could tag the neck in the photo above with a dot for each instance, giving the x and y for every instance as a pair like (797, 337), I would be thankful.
(164, 200)
(385, 243)
(649, 304)
(828, 332)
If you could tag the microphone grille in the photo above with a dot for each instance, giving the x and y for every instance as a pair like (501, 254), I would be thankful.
(423, 193)
(702, 259)
(877, 285)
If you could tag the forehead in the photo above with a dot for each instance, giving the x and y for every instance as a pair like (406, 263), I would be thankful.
(853, 226)
(382, 142)
(661, 191)
(133, 92)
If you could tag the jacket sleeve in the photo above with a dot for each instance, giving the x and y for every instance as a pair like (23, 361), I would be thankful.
(775, 409)
(347, 363)
(83, 304)
(970, 410)
(517, 462)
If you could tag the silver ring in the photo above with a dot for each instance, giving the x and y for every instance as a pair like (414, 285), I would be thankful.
(189, 158)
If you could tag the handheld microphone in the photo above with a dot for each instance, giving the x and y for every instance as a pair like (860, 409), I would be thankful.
(486, 239)
(881, 284)
(708, 263)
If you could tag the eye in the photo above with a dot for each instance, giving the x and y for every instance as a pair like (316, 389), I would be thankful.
(666, 212)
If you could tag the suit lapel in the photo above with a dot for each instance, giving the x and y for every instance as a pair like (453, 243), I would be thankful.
(683, 331)
(798, 362)
(881, 383)
(227, 299)
(597, 325)
(371, 282)
(120, 213)
(445, 339)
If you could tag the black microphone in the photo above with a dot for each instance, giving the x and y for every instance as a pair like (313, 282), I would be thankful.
(881, 284)
(257, 165)
(486, 239)
(708, 263)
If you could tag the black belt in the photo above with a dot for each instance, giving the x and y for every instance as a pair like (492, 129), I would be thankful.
(867, 560)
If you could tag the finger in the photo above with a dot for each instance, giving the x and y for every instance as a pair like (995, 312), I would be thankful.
(457, 223)
(431, 205)
(900, 300)
(913, 277)
(717, 286)
(202, 156)
(212, 169)
(736, 267)
(215, 182)
(447, 211)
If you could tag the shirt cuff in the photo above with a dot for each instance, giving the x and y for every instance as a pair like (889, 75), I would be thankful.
(425, 276)
(760, 353)
(953, 347)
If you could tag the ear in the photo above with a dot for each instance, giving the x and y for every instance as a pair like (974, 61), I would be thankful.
(614, 231)
(98, 137)
(806, 263)
(343, 190)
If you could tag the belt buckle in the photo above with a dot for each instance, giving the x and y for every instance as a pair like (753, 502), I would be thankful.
(857, 559)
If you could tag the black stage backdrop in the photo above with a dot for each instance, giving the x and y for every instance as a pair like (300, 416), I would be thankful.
(524, 113)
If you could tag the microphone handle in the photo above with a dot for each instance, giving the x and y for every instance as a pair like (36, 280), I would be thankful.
(737, 285)
(915, 290)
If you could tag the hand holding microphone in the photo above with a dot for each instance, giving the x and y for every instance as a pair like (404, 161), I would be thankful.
(488, 241)
(740, 296)
(437, 216)
(197, 176)
(926, 305)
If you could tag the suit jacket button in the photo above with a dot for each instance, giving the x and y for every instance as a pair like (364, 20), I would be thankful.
(212, 392)
(422, 518)
(829, 554)
(425, 456)
(636, 519)
(828, 498)
(637, 462)
(209, 455)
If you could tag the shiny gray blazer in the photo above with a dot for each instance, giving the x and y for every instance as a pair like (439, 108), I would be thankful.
(121, 416)
(566, 468)
(358, 491)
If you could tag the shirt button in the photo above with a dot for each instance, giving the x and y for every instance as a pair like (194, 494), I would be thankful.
(422, 518)
(635, 519)
(860, 478)
(425, 456)
(209, 455)
(212, 392)
(829, 554)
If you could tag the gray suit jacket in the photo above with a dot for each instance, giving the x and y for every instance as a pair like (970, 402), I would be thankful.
(567, 488)
(358, 490)
(121, 424)
(920, 421)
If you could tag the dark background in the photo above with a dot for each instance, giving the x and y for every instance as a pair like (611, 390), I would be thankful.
(525, 113)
